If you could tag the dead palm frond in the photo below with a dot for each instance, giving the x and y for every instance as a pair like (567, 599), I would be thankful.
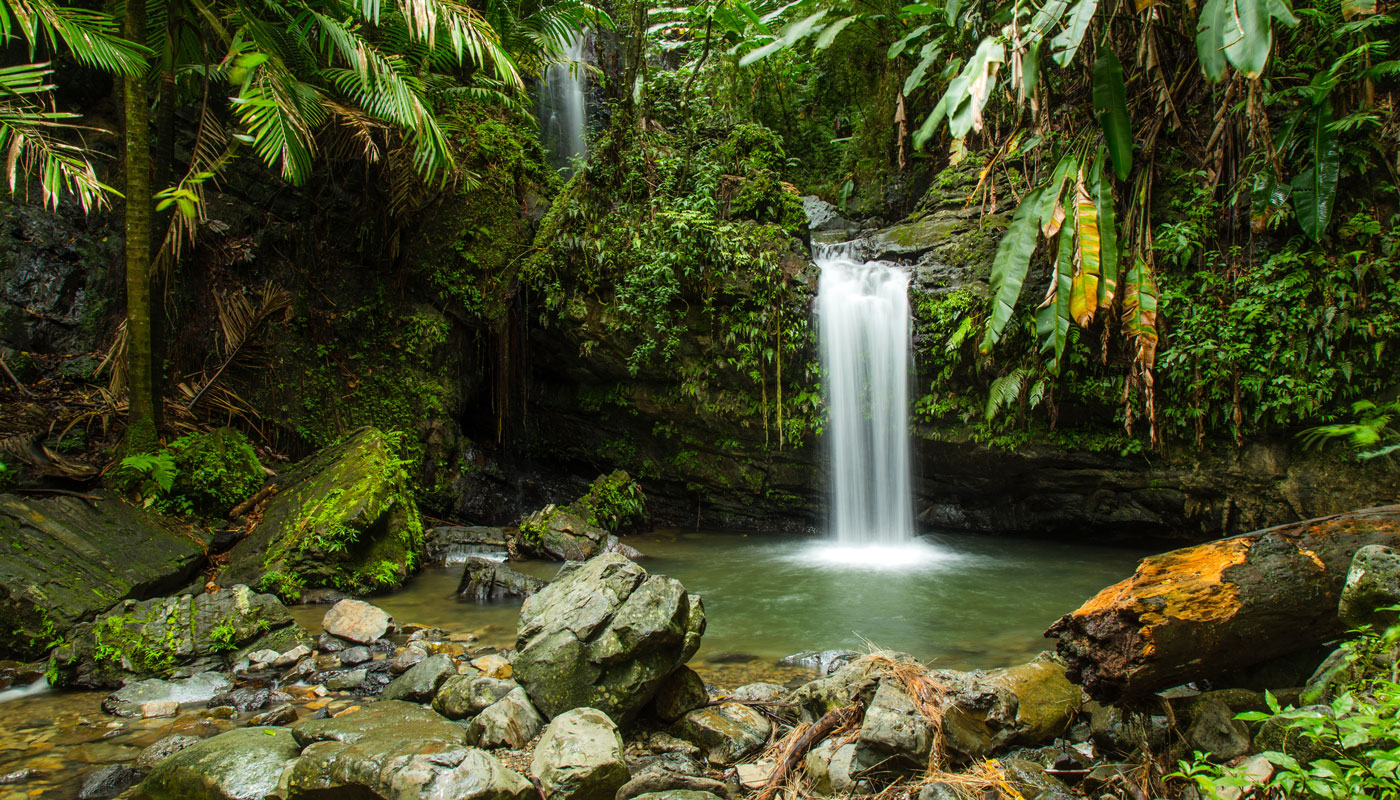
(241, 323)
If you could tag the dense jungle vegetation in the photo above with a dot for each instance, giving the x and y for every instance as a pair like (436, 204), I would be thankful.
(1179, 219)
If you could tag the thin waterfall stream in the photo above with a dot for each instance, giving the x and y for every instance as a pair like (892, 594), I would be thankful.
(562, 112)
(864, 323)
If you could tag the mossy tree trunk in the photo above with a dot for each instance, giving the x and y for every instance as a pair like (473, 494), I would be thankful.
(143, 409)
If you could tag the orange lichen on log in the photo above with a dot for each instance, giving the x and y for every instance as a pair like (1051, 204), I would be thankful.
(1182, 584)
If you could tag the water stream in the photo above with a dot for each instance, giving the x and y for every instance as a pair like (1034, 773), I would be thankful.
(562, 112)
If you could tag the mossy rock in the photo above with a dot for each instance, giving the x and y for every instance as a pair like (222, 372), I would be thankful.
(217, 470)
(344, 518)
(63, 560)
(164, 636)
(614, 502)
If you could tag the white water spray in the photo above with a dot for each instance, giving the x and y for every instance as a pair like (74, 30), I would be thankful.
(863, 317)
(562, 113)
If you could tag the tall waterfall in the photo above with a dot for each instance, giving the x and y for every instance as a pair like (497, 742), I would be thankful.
(863, 318)
(562, 109)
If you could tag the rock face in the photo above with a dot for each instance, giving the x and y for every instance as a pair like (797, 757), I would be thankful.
(171, 636)
(344, 518)
(1373, 582)
(484, 579)
(604, 635)
(357, 621)
(242, 764)
(63, 560)
(579, 757)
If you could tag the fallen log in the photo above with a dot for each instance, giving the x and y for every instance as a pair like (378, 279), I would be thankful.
(1202, 611)
(794, 754)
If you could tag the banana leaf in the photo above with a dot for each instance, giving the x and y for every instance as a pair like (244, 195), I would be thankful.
(1111, 107)
(1108, 232)
(1052, 319)
(1315, 191)
(1248, 36)
(1210, 39)
(1066, 44)
(1009, 267)
(1084, 296)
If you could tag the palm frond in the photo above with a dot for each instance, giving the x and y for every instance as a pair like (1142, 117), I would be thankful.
(91, 36)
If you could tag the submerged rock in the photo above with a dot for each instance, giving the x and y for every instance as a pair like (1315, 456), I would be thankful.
(579, 757)
(484, 579)
(344, 518)
(242, 764)
(825, 662)
(130, 700)
(172, 636)
(604, 635)
(63, 560)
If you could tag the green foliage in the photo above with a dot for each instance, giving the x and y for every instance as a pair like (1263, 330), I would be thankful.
(151, 476)
(215, 471)
(8, 476)
(223, 637)
(614, 502)
(1371, 435)
(1353, 741)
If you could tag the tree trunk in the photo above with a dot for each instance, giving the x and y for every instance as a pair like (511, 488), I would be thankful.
(143, 410)
(1202, 611)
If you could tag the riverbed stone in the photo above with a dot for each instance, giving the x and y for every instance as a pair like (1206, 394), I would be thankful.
(683, 691)
(108, 781)
(242, 764)
(357, 621)
(1215, 730)
(173, 637)
(464, 696)
(831, 769)
(894, 735)
(1046, 700)
(485, 579)
(398, 766)
(1032, 782)
(580, 756)
(381, 718)
(129, 700)
(509, 722)
(1373, 583)
(162, 749)
(421, 682)
(604, 635)
(284, 714)
(63, 560)
(345, 517)
(655, 778)
(677, 794)
(760, 692)
(726, 732)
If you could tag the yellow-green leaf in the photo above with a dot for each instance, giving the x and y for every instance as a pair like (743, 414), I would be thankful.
(1108, 232)
(1084, 295)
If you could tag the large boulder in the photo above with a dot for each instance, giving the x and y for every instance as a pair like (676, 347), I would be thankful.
(604, 635)
(174, 636)
(579, 757)
(613, 502)
(344, 518)
(895, 735)
(63, 560)
(1373, 583)
(401, 767)
(242, 764)
(357, 621)
(557, 534)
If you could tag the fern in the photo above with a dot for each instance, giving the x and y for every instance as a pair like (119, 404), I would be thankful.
(156, 473)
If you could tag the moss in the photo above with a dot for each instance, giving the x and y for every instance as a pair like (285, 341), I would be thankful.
(216, 470)
(121, 644)
(614, 502)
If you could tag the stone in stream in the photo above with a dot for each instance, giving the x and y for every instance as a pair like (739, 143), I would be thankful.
(64, 559)
(509, 722)
(243, 699)
(173, 635)
(604, 635)
(579, 757)
(1373, 583)
(484, 580)
(357, 621)
(344, 517)
(825, 662)
(129, 700)
(107, 782)
(242, 764)
(760, 692)
(725, 732)
(463, 696)
(285, 714)
(682, 692)
(377, 719)
(421, 682)
(162, 749)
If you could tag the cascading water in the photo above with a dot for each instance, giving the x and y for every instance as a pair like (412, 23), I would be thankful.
(562, 107)
(863, 317)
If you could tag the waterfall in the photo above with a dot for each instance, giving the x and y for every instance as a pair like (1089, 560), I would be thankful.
(863, 320)
(562, 109)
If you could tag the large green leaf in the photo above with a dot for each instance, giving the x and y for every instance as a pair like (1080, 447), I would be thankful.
(1030, 72)
(1248, 36)
(1046, 18)
(829, 34)
(1009, 267)
(790, 35)
(977, 78)
(1210, 38)
(931, 53)
(1084, 297)
(1111, 107)
(1052, 319)
(1052, 210)
(935, 118)
(1066, 44)
(1315, 191)
(1108, 233)
(898, 47)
